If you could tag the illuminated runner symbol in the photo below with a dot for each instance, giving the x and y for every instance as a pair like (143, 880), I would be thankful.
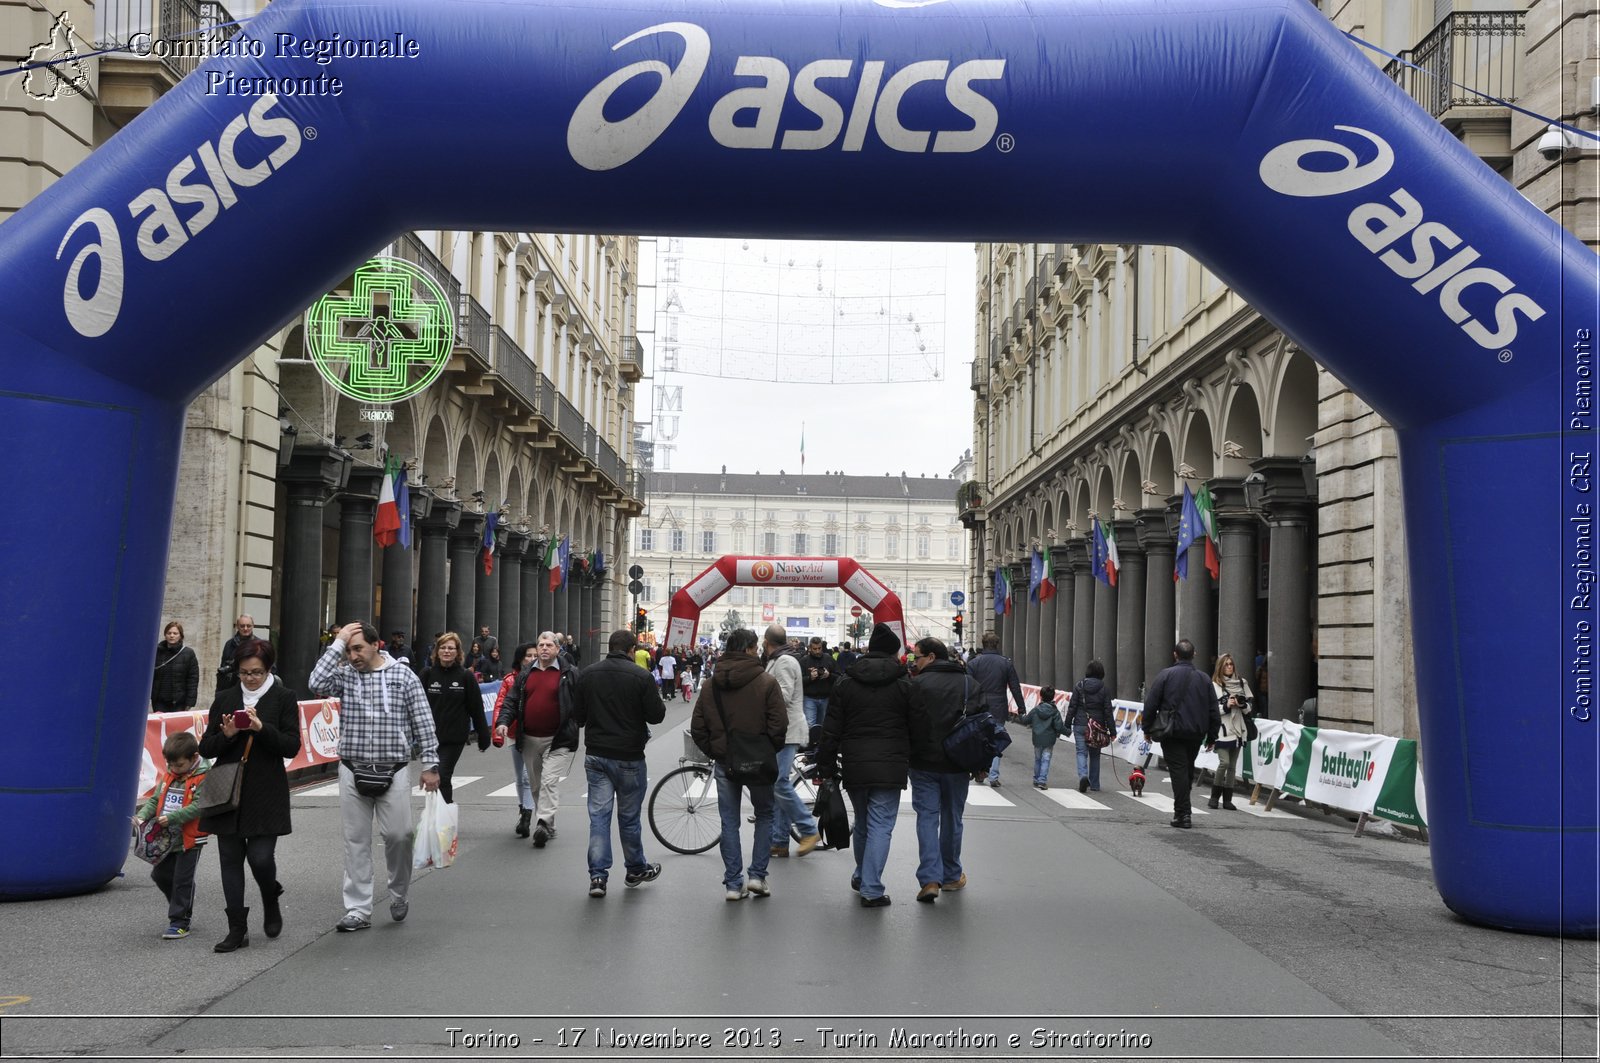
(386, 341)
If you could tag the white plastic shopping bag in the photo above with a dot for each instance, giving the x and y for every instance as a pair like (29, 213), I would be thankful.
(435, 841)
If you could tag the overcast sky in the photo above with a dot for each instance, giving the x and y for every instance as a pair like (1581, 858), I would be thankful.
(869, 428)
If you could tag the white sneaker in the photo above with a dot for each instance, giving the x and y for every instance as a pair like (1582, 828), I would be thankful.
(758, 886)
(739, 893)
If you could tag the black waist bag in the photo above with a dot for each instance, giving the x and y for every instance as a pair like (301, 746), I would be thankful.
(373, 780)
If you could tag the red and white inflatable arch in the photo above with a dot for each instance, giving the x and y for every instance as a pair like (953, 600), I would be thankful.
(683, 615)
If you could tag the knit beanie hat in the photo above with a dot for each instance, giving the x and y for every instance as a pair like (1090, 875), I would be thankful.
(883, 640)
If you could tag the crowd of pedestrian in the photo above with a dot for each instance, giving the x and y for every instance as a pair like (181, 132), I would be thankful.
(875, 723)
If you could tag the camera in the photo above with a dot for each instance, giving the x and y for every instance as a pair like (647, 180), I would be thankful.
(1554, 144)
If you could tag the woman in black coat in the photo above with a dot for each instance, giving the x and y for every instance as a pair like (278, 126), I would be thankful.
(176, 683)
(250, 832)
(457, 706)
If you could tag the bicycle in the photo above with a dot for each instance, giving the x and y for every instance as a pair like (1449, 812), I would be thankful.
(683, 810)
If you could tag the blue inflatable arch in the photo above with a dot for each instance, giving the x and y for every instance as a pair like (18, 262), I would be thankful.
(1250, 133)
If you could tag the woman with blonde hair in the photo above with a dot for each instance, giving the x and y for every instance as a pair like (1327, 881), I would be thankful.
(1234, 701)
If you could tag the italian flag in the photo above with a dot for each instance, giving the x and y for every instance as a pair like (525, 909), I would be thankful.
(386, 524)
(1047, 582)
(552, 561)
(1111, 555)
(1208, 520)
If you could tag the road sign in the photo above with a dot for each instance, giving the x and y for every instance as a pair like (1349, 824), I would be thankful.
(855, 610)
(957, 598)
(636, 572)
(636, 587)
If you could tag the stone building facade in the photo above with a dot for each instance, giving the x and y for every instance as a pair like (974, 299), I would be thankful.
(901, 528)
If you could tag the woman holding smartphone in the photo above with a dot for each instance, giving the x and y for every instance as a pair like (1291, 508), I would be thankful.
(258, 718)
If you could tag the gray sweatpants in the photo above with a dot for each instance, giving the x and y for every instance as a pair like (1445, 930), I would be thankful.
(393, 811)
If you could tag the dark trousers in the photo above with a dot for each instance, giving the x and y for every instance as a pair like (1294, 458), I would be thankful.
(448, 755)
(233, 850)
(1179, 753)
(174, 877)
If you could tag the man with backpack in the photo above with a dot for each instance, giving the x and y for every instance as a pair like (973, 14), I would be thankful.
(997, 676)
(1181, 696)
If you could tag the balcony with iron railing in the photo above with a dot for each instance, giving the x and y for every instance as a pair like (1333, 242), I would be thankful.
(410, 248)
(1460, 71)
(475, 335)
(970, 498)
(630, 361)
(136, 70)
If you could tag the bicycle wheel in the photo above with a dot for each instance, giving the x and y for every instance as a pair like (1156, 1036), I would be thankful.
(683, 810)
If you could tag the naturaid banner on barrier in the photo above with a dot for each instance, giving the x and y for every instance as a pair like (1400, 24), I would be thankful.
(1374, 774)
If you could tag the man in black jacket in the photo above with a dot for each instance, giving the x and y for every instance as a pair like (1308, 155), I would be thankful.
(616, 704)
(995, 673)
(817, 673)
(941, 692)
(1185, 692)
(867, 725)
(244, 630)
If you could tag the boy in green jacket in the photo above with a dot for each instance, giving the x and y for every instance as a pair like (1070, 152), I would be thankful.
(172, 806)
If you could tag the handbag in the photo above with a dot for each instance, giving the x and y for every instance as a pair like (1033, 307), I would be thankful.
(1157, 727)
(152, 843)
(833, 819)
(219, 791)
(373, 780)
(975, 740)
(749, 759)
(1096, 735)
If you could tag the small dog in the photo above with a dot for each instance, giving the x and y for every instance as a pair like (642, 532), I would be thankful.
(1136, 782)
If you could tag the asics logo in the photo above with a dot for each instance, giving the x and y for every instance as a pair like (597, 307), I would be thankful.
(844, 99)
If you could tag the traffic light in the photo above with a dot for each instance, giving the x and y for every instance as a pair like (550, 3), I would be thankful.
(641, 620)
(955, 625)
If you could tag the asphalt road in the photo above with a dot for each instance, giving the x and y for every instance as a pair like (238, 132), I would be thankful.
(1090, 930)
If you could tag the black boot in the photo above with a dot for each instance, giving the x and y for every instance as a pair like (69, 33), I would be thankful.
(1227, 799)
(1216, 795)
(271, 913)
(523, 818)
(238, 931)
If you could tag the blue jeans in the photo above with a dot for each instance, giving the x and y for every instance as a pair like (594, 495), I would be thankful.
(1088, 759)
(939, 800)
(787, 807)
(815, 708)
(994, 769)
(1041, 763)
(875, 808)
(760, 844)
(622, 783)
(519, 771)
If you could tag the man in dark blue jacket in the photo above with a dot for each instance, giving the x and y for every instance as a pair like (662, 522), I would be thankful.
(1185, 692)
(996, 675)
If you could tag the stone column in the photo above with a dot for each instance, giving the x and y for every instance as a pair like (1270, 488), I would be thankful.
(1017, 622)
(486, 590)
(1105, 629)
(466, 548)
(1197, 604)
(1290, 512)
(1236, 593)
(1030, 629)
(509, 628)
(1047, 633)
(399, 609)
(585, 610)
(432, 570)
(1160, 616)
(533, 580)
(357, 504)
(312, 476)
(1130, 610)
(1081, 563)
(1066, 596)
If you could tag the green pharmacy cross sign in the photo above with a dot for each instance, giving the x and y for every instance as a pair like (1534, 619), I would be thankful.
(388, 339)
